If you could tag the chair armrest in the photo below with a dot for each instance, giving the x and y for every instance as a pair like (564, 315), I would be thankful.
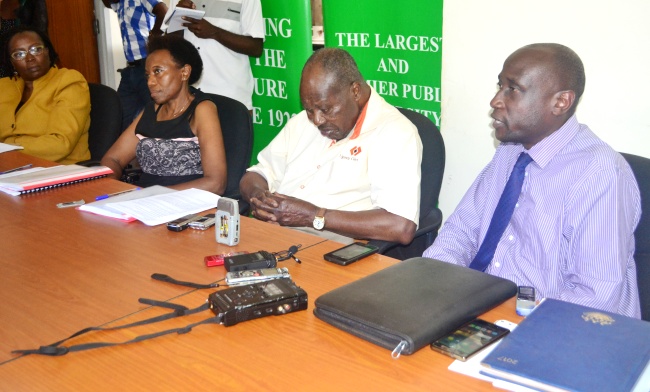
(429, 225)
(383, 246)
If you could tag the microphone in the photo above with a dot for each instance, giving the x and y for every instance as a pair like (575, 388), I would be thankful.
(293, 249)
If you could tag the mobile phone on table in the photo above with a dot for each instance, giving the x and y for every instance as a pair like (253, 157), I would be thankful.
(203, 223)
(350, 253)
(469, 339)
(525, 300)
(181, 224)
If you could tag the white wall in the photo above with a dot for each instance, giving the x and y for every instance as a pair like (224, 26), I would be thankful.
(611, 37)
(109, 43)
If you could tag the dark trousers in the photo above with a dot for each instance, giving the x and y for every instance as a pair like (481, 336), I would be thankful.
(133, 92)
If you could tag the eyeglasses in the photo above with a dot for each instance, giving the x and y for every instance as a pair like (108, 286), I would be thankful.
(20, 55)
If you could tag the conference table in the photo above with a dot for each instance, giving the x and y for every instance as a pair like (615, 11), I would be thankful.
(63, 270)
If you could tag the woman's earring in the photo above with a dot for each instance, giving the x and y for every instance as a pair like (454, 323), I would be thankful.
(15, 75)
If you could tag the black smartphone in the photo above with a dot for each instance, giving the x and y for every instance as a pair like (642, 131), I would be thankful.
(350, 253)
(469, 339)
(183, 223)
(250, 261)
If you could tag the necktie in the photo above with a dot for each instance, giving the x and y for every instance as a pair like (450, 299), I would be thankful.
(502, 214)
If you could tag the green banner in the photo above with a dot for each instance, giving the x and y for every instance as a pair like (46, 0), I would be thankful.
(277, 72)
(397, 45)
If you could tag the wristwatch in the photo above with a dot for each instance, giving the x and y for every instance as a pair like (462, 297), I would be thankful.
(319, 220)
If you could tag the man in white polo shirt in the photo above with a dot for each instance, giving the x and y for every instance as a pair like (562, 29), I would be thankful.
(228, 34)
(347, 166)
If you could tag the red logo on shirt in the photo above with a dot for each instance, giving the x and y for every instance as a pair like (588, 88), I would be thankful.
(354, 151)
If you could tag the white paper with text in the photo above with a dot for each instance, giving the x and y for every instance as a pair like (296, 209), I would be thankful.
(159, 209)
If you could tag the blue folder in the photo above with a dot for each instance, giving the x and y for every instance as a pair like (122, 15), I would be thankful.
(564, 346)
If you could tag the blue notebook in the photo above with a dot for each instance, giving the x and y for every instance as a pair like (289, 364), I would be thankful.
(563, 346)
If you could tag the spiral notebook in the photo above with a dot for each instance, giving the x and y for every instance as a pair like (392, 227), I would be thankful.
(39, 178)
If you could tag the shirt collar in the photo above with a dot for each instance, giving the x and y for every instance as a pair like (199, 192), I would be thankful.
(545, 150)
(362, 125)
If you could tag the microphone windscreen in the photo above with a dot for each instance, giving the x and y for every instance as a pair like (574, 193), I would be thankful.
(293, 249)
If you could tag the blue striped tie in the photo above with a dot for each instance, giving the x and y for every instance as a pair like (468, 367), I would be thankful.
(502, 214)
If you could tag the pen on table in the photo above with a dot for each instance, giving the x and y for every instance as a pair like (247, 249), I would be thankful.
(27, 166)
(102, 197)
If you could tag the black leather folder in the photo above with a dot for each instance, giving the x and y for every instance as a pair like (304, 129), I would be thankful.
(409, 305)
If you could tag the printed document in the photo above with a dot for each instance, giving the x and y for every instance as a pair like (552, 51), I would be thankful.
(159, 209)
(100, 207)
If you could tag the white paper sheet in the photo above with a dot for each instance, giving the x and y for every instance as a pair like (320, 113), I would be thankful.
(159, 209)
(100, 207)
(4, 147)
(175, 22)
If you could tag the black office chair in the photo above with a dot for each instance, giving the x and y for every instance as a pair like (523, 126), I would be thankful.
(641, 168)
(237, 130)
(433, 167)
(105, 121)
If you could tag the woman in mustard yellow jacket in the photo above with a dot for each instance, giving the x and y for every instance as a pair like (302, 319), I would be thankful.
(43, 108)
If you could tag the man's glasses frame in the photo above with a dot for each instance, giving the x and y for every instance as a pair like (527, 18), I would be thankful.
(21, 55)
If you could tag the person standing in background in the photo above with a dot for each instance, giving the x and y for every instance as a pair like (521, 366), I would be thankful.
(20, 12)
(138, 19)
(228, 34)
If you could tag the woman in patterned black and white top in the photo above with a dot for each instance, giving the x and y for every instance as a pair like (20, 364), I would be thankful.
(177, 138)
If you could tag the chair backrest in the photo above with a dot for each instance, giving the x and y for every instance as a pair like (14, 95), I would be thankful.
(237, 130)
(433, 161)
(105, 120)
(432, 168)
(641, 168)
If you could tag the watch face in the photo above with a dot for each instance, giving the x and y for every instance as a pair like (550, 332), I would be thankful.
(319, 223)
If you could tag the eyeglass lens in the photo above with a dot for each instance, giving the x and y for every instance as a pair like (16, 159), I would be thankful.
(34, 51)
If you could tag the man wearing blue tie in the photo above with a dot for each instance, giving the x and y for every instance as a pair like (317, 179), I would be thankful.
(556, 208)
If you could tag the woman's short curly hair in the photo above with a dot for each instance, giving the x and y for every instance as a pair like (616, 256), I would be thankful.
(181, 50)
(27, 29)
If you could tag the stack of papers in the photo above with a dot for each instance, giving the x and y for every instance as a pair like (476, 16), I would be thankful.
(154, 205)
(101, 207)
